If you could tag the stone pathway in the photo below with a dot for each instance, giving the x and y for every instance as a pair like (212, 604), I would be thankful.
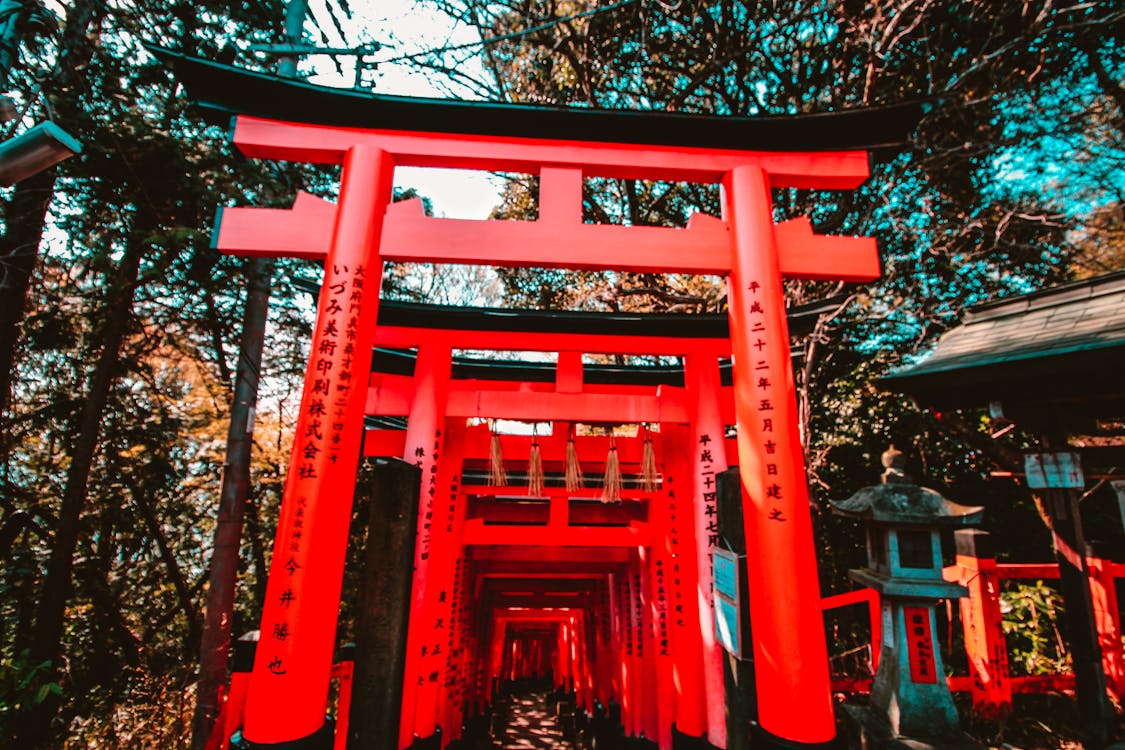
(532, 725)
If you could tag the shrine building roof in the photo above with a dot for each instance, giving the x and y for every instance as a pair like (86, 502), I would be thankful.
(1061, 344)
(222, 91)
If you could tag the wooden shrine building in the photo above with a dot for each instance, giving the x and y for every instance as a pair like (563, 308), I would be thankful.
(1051, 363)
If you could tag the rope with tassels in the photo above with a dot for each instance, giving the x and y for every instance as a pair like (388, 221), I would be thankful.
(497, 477)
(535, 466)
(611, 484)
(649, 476)
(573, 470)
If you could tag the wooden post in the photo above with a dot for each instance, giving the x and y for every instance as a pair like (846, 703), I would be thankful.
(619, 608)
(684, 626)
(384, 607)
(449, 593)
(985, 644)
(442, 574)
(708, 451)
(664, 512)
(738, 674)
(1061, 503)
(1107, 622)
(790, 653)
(423, 447)
(655, 712)
(288, 692)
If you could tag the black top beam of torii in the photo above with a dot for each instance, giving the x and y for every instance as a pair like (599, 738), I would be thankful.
(223, 91)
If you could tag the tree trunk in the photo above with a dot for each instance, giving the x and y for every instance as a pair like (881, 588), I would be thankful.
(175, 574)
(19, 249)
(46, 647)
(215, 647)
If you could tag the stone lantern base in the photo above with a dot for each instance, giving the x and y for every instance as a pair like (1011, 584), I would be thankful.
(867, 729)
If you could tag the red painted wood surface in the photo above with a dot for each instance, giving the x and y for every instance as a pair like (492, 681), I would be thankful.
(389, 396)
(920, 645)
(985, 645)
(677, 450)
(342, 673)
(867, 596)
(288, 691)
(442, 525)
(662, 518)
(232, 714)
(991, 682)
(708, 451)
(321, 144)
(1107, 619)
(703, 247)
(573, 343)
(424, 446)
(790, 654)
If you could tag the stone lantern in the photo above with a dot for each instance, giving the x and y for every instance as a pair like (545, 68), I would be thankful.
(904, 564)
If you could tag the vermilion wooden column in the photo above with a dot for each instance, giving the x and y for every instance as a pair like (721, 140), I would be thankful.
(442, 585)
(579, 664)
(288, 691)
(982, 622)
(659, 603)
(709, 459)
(464, 606)
(497, 654)
(461, 656)
(1107, 619)
(790, 656)
(683, 615)
(636, 662)
(585, 642)
(585, 676)
(610, 682)
(619, 608)
(424, 447)
(654, 711)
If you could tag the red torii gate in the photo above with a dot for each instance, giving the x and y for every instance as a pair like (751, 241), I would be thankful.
(699, 702)
(289, 685)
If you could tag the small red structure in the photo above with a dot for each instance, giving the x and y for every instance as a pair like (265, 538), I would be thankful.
(637, 625)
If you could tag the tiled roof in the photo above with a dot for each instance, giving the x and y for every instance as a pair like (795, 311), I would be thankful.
(1076, 330)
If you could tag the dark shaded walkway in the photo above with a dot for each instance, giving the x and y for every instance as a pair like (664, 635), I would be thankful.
(532, 723)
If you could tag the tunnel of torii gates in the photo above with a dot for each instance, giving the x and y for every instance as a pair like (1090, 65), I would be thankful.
(621, 635)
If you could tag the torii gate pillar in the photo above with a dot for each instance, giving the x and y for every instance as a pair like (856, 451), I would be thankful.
(288, 691)
(790, 655)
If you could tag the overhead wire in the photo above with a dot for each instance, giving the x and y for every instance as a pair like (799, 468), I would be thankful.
(504, 37)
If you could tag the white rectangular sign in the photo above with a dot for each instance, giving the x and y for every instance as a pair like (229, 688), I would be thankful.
(1053, 471)
(728, 608)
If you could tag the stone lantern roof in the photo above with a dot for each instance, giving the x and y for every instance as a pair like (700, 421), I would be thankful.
(898, 500)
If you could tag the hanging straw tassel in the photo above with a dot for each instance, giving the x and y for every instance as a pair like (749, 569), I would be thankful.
(648, 464)
(497, 477)
(535, 468)
(574, 479)
(611, 485)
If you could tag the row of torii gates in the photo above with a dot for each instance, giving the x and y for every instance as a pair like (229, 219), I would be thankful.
(616, 599)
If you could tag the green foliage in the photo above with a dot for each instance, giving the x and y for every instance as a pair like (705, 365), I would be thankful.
(146, 186)
(1031, 614)
(23, 683)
